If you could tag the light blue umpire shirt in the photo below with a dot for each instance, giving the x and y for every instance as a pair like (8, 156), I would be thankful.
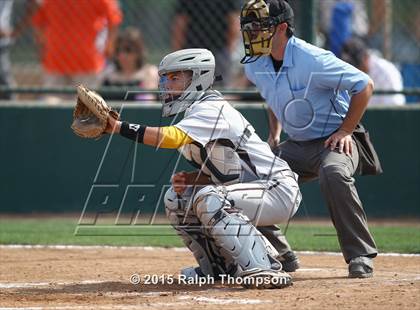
(310, 95)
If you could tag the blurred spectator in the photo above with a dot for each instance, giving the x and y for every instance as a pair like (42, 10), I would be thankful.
(75, 38)
(129, 68)
(24, 21)
(8, 36)
(384, 74)
(406, 45)
(211, 24)
(342, 19)
(6, 78)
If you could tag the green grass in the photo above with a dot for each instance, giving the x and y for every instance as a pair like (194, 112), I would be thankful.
(316, 237)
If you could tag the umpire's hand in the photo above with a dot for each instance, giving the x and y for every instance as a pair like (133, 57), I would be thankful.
(340, 140)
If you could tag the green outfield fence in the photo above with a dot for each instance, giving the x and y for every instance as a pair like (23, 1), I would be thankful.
(46, 168)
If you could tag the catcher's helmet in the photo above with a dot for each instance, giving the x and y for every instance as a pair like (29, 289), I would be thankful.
(259, 19)
(200, 62)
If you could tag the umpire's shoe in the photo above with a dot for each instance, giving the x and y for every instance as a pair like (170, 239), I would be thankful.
(289, 260)
(361, 267)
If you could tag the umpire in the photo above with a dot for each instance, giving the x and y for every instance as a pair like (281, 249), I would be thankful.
(318, 100)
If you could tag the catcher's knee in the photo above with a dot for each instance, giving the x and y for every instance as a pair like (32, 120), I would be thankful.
(174, 206)
(171, 200)
(178, 208)
(207, 202)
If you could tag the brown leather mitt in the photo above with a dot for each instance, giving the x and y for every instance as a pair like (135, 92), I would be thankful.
(90, 116)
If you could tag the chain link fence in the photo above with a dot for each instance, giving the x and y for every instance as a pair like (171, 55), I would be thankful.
(47, 44)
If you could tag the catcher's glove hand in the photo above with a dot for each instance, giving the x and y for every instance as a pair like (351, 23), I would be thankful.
(90, 116)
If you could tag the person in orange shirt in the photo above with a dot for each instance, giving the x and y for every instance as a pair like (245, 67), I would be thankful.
(75, 38)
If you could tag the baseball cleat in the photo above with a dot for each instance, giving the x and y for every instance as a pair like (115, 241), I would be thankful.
(289, 260)
(361, 267)
(192, 272)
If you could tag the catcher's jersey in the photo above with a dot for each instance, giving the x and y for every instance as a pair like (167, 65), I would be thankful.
(212, 118)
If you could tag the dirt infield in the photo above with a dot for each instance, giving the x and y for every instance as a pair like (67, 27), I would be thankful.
(99, 278)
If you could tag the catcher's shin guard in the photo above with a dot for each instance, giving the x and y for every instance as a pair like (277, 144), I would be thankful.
(189, 229)
(239, 241)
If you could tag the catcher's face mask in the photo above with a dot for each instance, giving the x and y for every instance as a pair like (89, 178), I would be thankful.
(258, 29)
(172, 91)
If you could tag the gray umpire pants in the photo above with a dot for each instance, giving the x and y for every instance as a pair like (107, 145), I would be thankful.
(310, 160)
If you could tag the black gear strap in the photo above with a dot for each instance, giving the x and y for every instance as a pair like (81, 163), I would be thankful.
(133, 131)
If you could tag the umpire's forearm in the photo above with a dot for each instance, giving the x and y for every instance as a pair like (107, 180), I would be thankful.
(357, 108)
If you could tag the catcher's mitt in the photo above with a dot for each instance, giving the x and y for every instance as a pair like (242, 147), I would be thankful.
(90, 116)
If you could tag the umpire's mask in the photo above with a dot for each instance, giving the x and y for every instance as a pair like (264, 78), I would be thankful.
(259, 19)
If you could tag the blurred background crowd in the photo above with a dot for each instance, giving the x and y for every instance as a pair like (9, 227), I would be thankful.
(47, 45)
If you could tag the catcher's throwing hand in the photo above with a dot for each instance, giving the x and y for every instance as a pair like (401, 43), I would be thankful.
(91, 114)
(341, 140)
(180, 181)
